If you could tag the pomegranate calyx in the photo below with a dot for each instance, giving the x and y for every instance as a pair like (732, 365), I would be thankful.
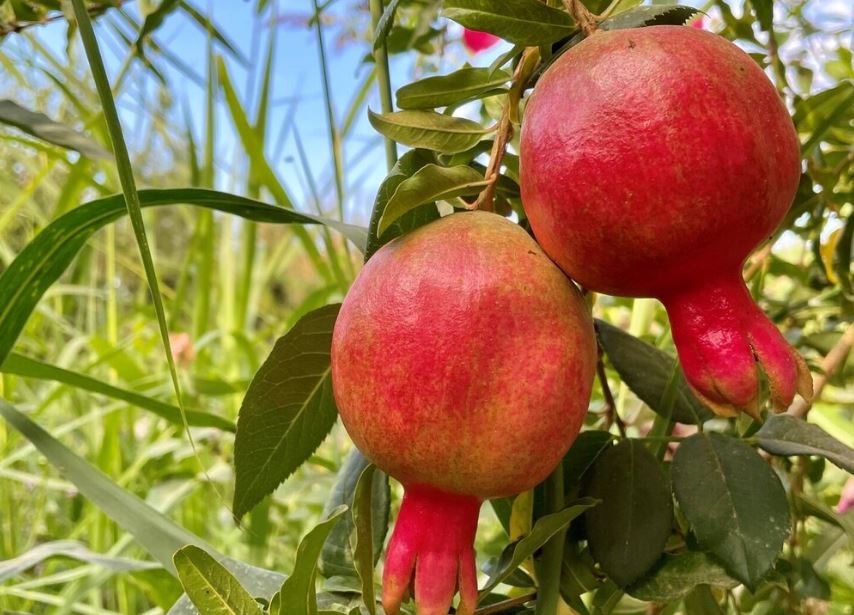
(726, 343)
(432, 543)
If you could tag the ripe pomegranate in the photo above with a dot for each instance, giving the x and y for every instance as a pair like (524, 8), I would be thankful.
(476, 41)
(653, 162)
(462, 362)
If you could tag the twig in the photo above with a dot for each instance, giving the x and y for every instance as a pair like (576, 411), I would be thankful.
(383, 80)
(585, 19)
(611, 415)
(486, 199)
(505, 605)
(834, 359)
(93, 10)
(758, 260)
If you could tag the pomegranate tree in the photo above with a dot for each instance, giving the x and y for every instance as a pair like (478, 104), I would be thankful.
(653, 162)
(462, 362)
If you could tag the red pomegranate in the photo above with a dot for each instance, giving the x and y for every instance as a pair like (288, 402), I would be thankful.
(462, 362)
(653, 162)
(476, 41)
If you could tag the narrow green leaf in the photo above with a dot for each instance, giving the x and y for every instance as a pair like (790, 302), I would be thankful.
(628, 531)
(70, 549)
(210, 586)
(297, 596)
(30, 368)
(464, 84)
(384, 24)
(655, 15)
(250, 138)
(676, 575)
(215, 33)
(816, 115)
(429, 184)
(543, 529)
(153, 21)
(647, 371)
(526, 22)
(44, 128)
(47, 256)
(337, 559)
(287, 411)
(429, 130)
(734, 503)
(363, 552)
(157, 534)
(131, 196)
(786, 435)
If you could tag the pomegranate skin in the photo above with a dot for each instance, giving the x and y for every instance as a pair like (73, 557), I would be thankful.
(462, 363)
(653, 161)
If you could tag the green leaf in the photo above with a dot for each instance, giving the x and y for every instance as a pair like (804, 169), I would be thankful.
(44, 128)
(130, 192)
(363, 552)
(257, 581)
(586, 449)
(734, 503)
(153, 21)
(287, 411)
(647, 371)
(336, 559)
(543, 529)
(427, 129)
(157, 534)
(676, 575)
(526, 22)
(71, 549)
(627, 532)
(656, 15)
(786, 435)
(429, 184)
(214, 32)
(406, 166)
(385, 23)
(816, 115)
(701, 601)
(30, 368)
(464, 84)
(210, 586)
(47, 256)
(764, 10)
(297, 596)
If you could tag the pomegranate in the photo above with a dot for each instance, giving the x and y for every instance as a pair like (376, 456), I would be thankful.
(476, 41)
(462, 362)
(653, 162)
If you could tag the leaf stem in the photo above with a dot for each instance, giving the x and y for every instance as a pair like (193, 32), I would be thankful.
(550, 564)
(829, 365)
(505, 605)
(585, 19)
(504, 130)
(611, 414)
(384, 80)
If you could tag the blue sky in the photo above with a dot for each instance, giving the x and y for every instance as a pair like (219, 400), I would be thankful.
(296, 81)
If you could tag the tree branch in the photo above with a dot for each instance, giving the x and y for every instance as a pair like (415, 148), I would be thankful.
(834, 359)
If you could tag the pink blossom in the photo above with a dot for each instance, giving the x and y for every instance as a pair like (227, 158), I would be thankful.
(182, 348)
(846, 500)
(697, 23)
(476, 41)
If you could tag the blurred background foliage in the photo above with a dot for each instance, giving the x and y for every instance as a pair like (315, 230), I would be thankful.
(268, 99)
